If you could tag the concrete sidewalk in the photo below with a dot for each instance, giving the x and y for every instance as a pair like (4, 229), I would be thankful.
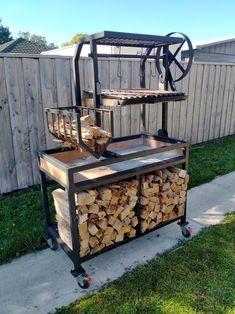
(41, 282)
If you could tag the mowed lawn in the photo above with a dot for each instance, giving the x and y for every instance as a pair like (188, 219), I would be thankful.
(21, 219)
(198, 276)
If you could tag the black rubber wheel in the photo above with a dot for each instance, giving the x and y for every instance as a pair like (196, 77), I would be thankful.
(187, 233)
(85, 284)
(84, 281)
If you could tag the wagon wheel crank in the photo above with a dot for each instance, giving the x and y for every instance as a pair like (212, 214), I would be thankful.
(167, 61)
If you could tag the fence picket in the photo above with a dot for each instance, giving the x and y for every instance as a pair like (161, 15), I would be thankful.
(19, 123)
(8, 175)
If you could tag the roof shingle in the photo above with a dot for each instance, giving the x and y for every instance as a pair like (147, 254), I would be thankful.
(22, 45)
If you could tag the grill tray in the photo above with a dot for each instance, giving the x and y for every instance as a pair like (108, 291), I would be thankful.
(122, 97)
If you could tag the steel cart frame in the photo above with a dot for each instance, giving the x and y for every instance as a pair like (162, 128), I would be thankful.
(63, 173)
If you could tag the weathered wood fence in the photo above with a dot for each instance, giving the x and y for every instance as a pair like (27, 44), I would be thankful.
(30, 83)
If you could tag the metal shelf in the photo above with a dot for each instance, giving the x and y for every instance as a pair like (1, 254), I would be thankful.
(124, 97)
(129, 155)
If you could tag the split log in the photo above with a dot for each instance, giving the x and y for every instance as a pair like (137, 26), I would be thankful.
(84, 198)
(93, 241)
(132, 233)
(118, 225)
(85, 120)
(93, 136)
(92, 229)
(119, 237)
(102, 224)
(134, 222)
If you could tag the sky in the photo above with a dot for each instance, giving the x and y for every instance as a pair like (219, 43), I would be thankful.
(60, 20)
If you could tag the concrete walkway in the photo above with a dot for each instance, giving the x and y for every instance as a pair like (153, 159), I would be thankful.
(41, 282)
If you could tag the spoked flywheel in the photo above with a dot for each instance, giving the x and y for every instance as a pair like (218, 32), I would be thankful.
(167, 61)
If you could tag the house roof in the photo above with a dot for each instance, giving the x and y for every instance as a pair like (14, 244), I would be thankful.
(6, 45)
(207, 43)
(22, 45)
(63, 51)
(212, 42)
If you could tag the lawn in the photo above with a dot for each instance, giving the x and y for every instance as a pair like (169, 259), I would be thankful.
(21, 220)
(215, 158)
(198, 276)
(21, 223)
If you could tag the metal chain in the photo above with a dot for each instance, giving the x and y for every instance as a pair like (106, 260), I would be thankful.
(119, 70)
(151, 69)
(150, 80)
(141, 53)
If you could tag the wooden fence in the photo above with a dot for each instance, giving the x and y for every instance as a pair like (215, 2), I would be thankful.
(30, 83)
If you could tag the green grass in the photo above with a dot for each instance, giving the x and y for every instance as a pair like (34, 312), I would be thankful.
(21, 219)
(215, 158)
(21, 223)
(197, 277)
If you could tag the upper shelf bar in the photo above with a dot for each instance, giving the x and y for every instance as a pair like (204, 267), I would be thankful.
(131, 39)
(122, 97)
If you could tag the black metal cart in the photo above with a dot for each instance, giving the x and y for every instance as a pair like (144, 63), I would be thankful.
(120, 158)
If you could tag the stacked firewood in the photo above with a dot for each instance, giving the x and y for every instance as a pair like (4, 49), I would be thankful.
(93, 136)
(105, 216)
(163, 196)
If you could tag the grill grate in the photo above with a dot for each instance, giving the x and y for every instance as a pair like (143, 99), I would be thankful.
(135, 96)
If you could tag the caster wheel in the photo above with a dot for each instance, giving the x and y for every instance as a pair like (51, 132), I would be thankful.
(52, 244)
(84, 281)
(187, 232)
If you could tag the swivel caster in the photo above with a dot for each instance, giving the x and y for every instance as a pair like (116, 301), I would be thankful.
(187, 232)
(52, 244)
(84, 280)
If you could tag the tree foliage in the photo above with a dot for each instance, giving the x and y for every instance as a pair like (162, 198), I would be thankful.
(5, 34)
(75, 38)
(38, 39)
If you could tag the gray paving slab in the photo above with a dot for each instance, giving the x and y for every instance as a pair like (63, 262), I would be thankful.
(39, 283)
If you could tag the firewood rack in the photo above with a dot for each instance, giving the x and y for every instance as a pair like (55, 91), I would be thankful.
(124, 157)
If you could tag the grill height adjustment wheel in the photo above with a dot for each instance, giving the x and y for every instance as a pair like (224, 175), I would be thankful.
(168, 61)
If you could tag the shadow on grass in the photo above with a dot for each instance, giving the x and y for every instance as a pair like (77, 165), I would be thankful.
(196, 278)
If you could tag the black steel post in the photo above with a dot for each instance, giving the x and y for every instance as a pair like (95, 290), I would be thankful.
(185, 167)
(142, 85)
(74, 226)
(44, 196)
(76, 75)
(186, 154)
(96, 83)
(137, 207)
(163, 132)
